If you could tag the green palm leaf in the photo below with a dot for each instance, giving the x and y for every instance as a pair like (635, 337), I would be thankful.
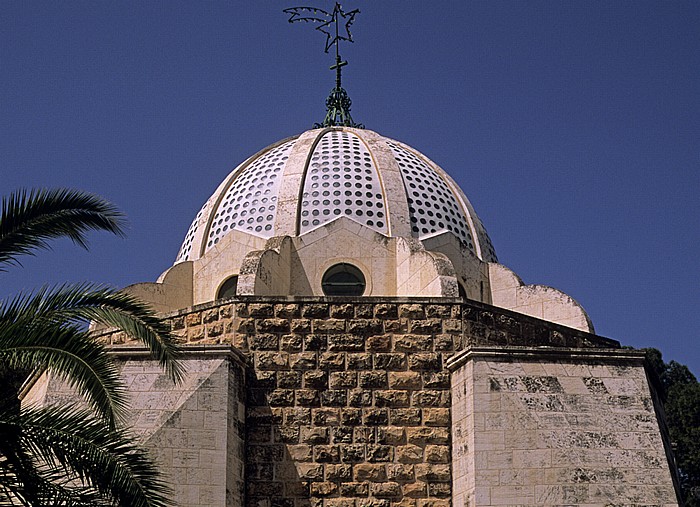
(79, 460)
(29, 219)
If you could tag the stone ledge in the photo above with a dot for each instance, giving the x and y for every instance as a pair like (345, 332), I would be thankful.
(510, 353)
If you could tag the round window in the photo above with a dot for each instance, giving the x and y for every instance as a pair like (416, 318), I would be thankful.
(343, 280)
(228, 288)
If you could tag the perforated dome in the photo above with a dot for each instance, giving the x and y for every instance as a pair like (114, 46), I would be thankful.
(301, 183)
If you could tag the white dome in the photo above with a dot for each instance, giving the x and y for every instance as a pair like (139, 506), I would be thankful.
(304, 182)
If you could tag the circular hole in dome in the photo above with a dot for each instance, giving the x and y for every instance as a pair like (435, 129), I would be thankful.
(348, 202)
(380, 224)
(258, 228)
(315, 222)
(268, 227)
(326, 212)
(348, 211)
(336, 211)
(305, 222)
(358, 212)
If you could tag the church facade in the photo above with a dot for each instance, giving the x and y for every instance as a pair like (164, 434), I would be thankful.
(353, 341)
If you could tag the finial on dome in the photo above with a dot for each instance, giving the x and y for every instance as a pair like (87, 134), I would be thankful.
(338, 102)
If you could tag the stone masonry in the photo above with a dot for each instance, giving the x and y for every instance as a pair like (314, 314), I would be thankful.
(383, 402)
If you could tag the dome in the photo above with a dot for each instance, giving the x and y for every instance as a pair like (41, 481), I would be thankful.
(304, 182)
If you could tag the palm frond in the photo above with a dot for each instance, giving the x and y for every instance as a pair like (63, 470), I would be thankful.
(73, 355)
(70, 445)
(28, 220)
(88, 302)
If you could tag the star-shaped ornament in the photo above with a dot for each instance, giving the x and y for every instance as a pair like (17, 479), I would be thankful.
(337, 16)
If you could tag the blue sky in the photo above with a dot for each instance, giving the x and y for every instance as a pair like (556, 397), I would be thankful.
(572, 126)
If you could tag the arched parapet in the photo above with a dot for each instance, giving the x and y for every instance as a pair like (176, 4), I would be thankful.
(267, 272)
(547, 303)
(423, 273)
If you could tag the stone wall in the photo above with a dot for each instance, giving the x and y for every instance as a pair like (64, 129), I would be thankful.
(566, 427)
(352, 403)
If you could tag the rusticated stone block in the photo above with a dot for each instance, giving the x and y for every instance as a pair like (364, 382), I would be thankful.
(343, 380)
(316, 379)
(291, 342)
(260, 471)
(391, 398)
(390, 361)
(307, 397)
(297, 416)
(300, 453)
(328, 326)
(376, 416)
(272, 326)
(390, 435)
(436, 380)
(363, 311)
(341, 434)
(385, 311)
(373, 502)
(354, 489)
(289, 379)
(335, 502)
(438, 311)
(436, 417)
(310, 472)
(195, 334)
(327, 454)
(271, 360)
(415, 489)
(351, 416)
(193, 319)
(370, 472)
(344, 311)
(211, 315)
(326, 416)
(261, 310)
(378, 343)
(287, 311)
(372, 379)
(410, 453)
(177, 323)
(340, 473)
(331, 361)
(359, 361)
(314, 435)
(427, 326)
(215, 329)
(411, 311)
(315, 342)
(430, 398)
(433, 472)
(242, 309)
(300, 326)
(395, 326)
(432, 502)
(352, 454)
(323, 488)
(439, 489)
(314, 311)
(452, 326)
(360, 398)
(280, 397)
(386, 489)
(443, 342)
(264, 415)
(413, 343)
(423, 435)
(346, 342)
(302, 361)
(380, 453)
(263, 341)
(245, 326)
(265, 453)
(334, 398)
(287, 434)
(405, 416)
(405, 380)
(425, 362)
(437, 453)
(364, 435)
(400, 473)
(365, 326)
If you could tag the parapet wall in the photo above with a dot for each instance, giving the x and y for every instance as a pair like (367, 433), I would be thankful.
(380, 402)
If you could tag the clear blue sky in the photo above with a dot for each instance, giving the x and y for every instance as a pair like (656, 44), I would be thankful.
(573, 127)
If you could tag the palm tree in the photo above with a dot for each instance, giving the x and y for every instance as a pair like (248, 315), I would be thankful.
(71, 455)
